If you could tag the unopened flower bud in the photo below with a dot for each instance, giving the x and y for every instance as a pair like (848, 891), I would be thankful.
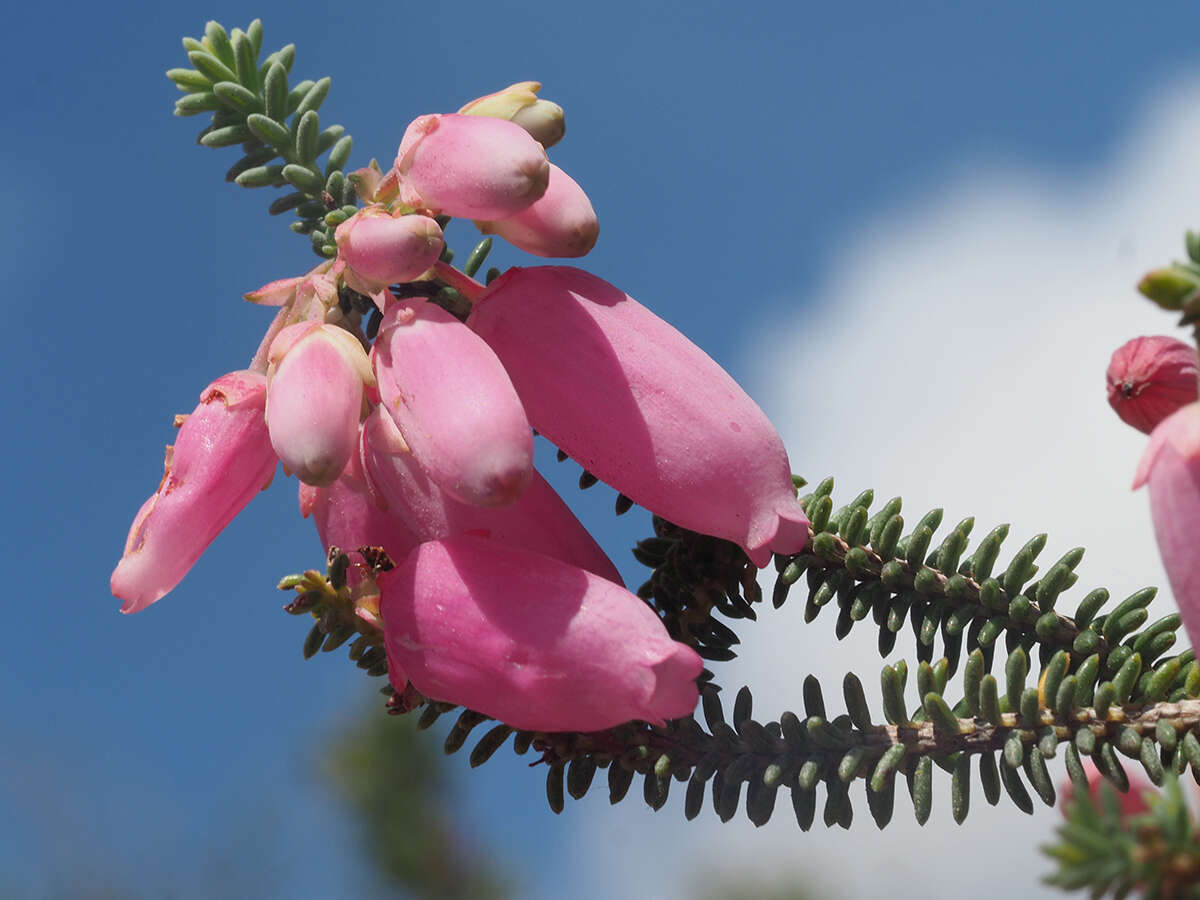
(560, 223)
(1151, 377)
(520, 104)
(314, 399)
(1172, 287)
(473, 167)
(380, 249)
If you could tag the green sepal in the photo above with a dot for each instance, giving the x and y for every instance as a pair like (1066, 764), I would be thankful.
(989, 778)
(286, 202)
(856, 701)
(275, 92)
(261, 176)
(1085, 679)
(211, 67)
(960, 788)
(1089, 606)
(554, 788)
(303, 178)
(189, 80)
(217, 41)
(238, 98)
(1172, 288)
(307, 129)
(921, 788)
(1126, 678)
(983, 559)
(339, 155)
(271, 131)
(225, 137)
(619, 780)
(194, 104)
(313, 98)
(1011, 780)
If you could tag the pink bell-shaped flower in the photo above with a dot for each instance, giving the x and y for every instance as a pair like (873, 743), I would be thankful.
(379, 249)
(473, 167)
(641, 407)
(348, 517)
(314, 399)
(220, 460)
(453, 403)
(559, 223)
(538, 520)
(529, 640)
(1171, 466)
(1151, 377)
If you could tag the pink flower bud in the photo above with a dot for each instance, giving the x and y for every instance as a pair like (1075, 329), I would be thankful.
(348, 517)
(473, 167)
(453, 403)
(1151, 377)
(519, 104)
(641, 407)
(314, 399)
(381, 250)
(1132, 802)
(1171, 466)
(538, 520)
(534, 642)
(560, 223)
(221, 459)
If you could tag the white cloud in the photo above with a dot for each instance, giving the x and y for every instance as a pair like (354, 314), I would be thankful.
(954, 355)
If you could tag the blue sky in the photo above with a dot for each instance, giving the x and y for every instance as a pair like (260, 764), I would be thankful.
(731, 150)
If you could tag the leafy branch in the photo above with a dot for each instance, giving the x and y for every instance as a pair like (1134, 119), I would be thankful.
(1120, 699)
(251, 102)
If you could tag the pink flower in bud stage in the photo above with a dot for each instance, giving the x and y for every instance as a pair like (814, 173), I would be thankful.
(453, 403)
(347, 516)
(1171, 466)
(220, 460)
(560, 223)
(314, 399)
(379, 249)
(520, 104)
(529, 640)
(1151, 377)
(538, 520)
(641, 407)
(473, 167)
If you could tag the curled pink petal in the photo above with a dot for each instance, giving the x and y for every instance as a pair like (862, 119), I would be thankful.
(314, 399)
(220, 460)
(534, 642)
(538, 520)
(453, 403)
(380, 249)
(641, 407)
(1171, 466)
(560, 223)
(474, 167)
(1149, 378)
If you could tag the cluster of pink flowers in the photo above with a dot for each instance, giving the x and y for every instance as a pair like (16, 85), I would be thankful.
(1152, 384)
(420, 442)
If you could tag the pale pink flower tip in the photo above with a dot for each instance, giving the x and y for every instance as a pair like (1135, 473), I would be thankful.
(531, 641)
(220, 460)
(314, 399)
(473, 167)
(1149, 378)
(560, 223)
(380, 249)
